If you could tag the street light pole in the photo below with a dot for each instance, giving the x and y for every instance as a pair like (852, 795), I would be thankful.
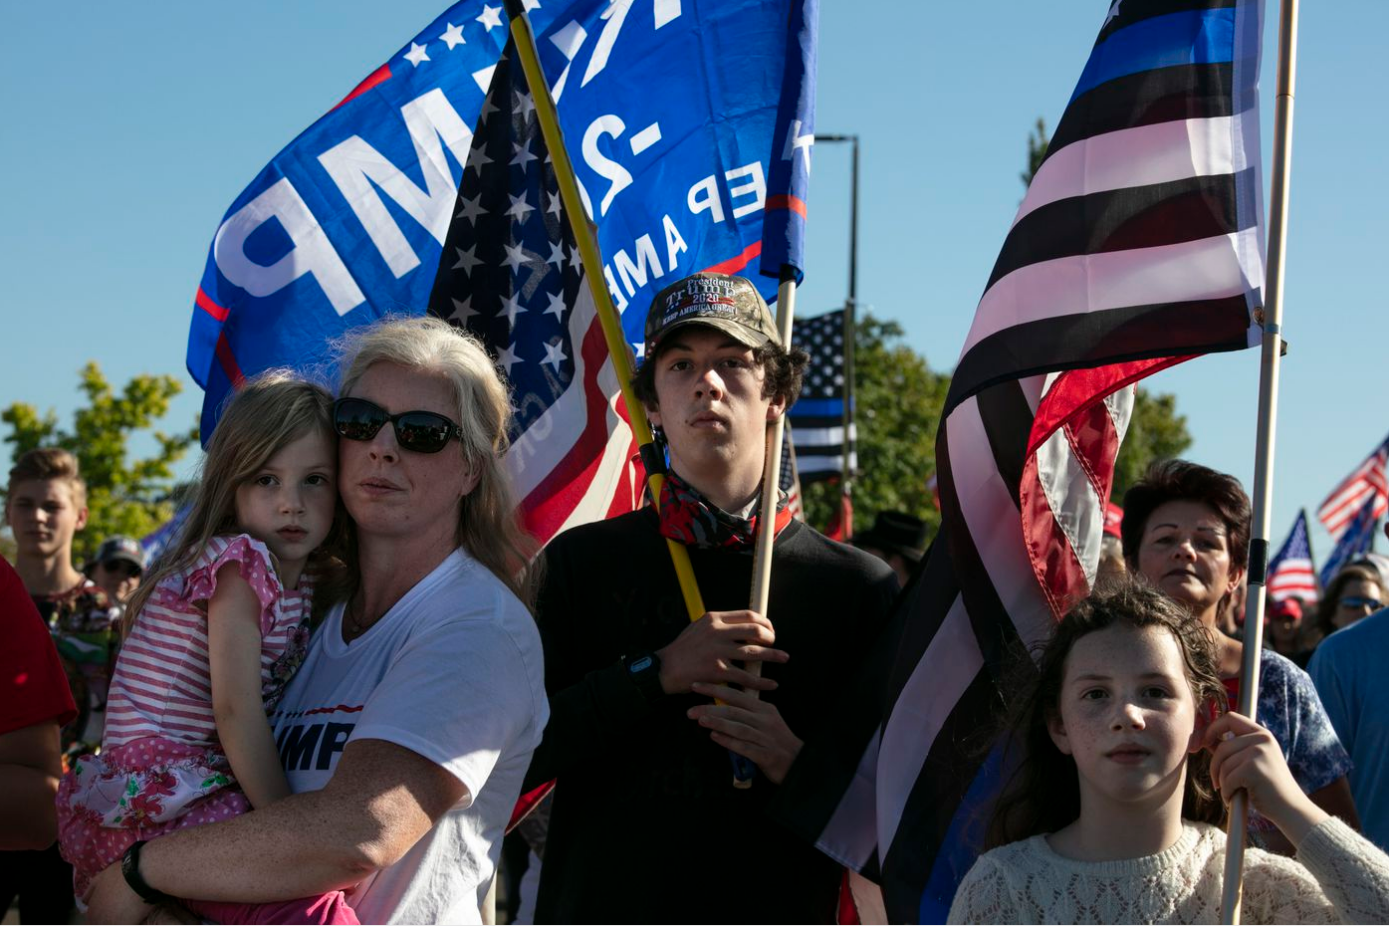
(850, 325)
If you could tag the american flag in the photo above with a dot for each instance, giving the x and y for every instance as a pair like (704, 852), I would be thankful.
(790, 479)
(1367, 482)
(510, 273)
(1291, 572)
(1356, 540)
(817, 418)
(1137, 246)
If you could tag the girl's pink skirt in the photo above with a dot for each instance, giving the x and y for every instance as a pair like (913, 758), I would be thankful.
(148, 788)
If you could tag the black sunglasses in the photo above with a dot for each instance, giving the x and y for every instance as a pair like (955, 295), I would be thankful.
(420, 432)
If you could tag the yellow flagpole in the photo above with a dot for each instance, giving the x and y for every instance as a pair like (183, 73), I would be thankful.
(585, 236)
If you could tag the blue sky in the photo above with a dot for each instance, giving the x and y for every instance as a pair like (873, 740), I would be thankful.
(130, 128)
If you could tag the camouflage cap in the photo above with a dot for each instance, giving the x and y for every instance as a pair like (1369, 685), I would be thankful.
(727, 303)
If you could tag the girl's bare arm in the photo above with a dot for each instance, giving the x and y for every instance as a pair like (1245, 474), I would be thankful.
(234, 647)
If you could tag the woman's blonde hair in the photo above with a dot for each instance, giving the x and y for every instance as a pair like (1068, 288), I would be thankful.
(263, 416)
(487, 524)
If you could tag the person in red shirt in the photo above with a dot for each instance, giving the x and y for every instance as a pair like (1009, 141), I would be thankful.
(34, 703)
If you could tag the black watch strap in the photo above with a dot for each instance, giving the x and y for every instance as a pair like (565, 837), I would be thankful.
(644, 669)
(130, 868)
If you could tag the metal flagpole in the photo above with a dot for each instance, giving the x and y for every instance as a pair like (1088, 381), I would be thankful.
(850, 333)
(771, 485)
(1271, 318)
(587, 240)
(846, 470)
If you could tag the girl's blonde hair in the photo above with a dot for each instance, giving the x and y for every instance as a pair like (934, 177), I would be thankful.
(265, 415)
(487, 524)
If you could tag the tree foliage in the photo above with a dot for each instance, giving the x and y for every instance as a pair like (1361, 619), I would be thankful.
(899, 400)
(1156, 432)
(124, 496)
(1036, 150)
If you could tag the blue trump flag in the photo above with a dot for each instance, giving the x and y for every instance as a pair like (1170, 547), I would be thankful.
(690, 127)
(1355, 542)
(346, 223)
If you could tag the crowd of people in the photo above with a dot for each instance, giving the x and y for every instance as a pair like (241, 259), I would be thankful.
(325, 699)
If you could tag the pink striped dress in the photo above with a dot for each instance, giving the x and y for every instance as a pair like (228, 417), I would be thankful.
(161, 766)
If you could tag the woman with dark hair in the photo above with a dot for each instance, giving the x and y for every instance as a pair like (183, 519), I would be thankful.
(1355, 593)
(1186, 530)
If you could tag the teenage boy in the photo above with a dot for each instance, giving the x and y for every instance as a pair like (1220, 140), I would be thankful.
(646, 824)
(45, 506)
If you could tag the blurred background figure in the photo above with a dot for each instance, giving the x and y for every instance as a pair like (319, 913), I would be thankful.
(1354, 594)
(117, 567)
(896, 538)
(1231, 619)
(1283, 634)
(1111, 544)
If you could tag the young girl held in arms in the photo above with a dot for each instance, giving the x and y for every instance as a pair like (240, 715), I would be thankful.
(1113, 815)
(213, 637)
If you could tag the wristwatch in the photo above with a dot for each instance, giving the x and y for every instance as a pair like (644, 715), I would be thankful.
(130, 868)
(644, 669)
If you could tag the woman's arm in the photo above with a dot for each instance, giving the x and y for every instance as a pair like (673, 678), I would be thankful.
(233, 649)
(381, 800)
(29, 770)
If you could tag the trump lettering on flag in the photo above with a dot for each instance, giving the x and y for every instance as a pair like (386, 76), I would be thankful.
(349, 222)
(345, 225)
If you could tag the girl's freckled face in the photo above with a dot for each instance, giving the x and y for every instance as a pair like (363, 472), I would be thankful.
(1126, 713)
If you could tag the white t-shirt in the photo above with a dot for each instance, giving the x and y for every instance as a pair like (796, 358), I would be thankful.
(454, 673)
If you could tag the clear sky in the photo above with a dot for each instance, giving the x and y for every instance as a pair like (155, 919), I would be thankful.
(130, 128)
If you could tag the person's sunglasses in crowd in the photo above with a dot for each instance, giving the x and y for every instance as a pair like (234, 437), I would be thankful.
(119, 567)
(418, 432)
(1360, 603)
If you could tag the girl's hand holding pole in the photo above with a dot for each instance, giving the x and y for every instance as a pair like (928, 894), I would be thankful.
(1245, 756)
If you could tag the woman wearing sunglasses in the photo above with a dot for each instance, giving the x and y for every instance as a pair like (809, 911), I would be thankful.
(408, 729)
(1354, 594)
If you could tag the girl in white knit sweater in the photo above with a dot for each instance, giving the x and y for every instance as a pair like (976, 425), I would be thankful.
(1113, 814)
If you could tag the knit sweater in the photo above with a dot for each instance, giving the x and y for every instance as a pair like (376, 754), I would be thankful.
(1337, 877)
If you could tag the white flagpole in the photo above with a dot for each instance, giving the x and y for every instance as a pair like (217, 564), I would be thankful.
(771, 486)
(1272, 316)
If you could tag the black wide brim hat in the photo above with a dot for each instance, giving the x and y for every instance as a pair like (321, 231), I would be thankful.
(895, 532)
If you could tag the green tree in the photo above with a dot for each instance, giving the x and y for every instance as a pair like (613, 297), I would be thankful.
(124, 497)
(1036, 150)
(1156, 432)
(899, 400)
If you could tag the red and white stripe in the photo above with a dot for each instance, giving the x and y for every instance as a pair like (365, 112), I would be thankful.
(1346, 500)
(163, 684)
(577, 462)
(1294, 578)
(1082, 416)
